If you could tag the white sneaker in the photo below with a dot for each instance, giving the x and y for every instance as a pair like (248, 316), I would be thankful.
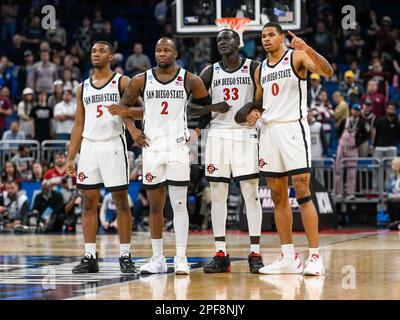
(314, 266)
(181, 265)
(157, 264)
(283, 265)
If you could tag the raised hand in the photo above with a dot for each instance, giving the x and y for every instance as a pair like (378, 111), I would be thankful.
(297, 43)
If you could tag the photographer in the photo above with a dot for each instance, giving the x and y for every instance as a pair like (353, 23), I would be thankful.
(14, 206)
(108, 213)
(72, 204)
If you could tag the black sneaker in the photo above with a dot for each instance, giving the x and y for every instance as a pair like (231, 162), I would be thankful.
(127, 265)
(255, 262)
(219, 263)
(87, 265)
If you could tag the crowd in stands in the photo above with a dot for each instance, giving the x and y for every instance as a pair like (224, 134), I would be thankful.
(352, 114)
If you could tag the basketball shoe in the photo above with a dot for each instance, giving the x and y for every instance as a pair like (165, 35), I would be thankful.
(314, 266)
(181, 265)
(255, 262)
(219, 263)
(126, 264)
(283, 265)
(157, 264)
(88, 264)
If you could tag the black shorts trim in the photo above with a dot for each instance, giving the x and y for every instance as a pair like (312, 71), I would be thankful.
(89, 186)
(285, 174)
(218, 179)
(154, 186)
(247, 177)
(298, 171)
(178, 183)
(117, 188)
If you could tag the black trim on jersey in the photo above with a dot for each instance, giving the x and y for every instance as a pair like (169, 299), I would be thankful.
(119, 87)
(211, 78)
(83, 85)
(117, 188)
(126, 158)
(278, 61)
(90, 186)
(144, 85)
(99, 88)
(153, 186)
(300, 98)
(294, 172)
(247, 177)
(292, 66)
(167, 82)
(185, 83)
(177, 183)
(305, 142)
(233, 71)
(218, 179)
(253, 72)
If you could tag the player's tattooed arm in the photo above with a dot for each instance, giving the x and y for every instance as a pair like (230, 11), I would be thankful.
(201, 103)
(251, 111)
(76, 133)
(309, 58)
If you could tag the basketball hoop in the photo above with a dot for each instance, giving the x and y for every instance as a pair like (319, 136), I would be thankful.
(237, 24)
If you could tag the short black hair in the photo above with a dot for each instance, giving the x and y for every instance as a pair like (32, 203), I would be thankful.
(109, 45)
(275, 25)
(162, 39)
(234, 33)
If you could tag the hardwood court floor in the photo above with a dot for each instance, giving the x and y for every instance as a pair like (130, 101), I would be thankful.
(359, 264)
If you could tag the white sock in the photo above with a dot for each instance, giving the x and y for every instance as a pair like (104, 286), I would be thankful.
(253, 205)
(219, 210)
(220, 246)
(178, 197)
(90, 249)
(124, 249)
(157, 246)
(255, 248)
(313, 251)
(288, 250)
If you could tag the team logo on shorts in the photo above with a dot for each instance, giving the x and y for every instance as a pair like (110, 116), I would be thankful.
(262, 163)
(211, 169)
(81, 176)
(149, 177)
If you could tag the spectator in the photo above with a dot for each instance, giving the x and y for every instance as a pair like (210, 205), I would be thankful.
(137, 62)
(57, 37)
(24, 110)
(354, 44)
(7, 79)
(352, 133)
(69, 65)
(5, 110)
(380, 76)
(372, 31)
(10, 172)
(83, 39)
(323, 42)
(108, 35)
(336, 76)
(121, 29)
(315, 88)
(393, 192)
(369, 119)
(58, 171)
(379, 103)
(16, 206)
(160, 12)
(48, 207)
(57, 96)
(349, 86)
(24, 162)
(141, 209)
(97, 24)
(25, 72)
(385, 36)
(44, 73)
(64, 114)
(108, 213)
(323, 112)
(42, 114)
(72, 203)
(342, 111)
(356, 71)
(33, 34)
(37, 172)
(9, 12)
(69, 82)
(14, 133)
(16, 51)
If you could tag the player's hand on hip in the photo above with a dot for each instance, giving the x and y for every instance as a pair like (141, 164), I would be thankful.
(297, 43)
(139, 137)
(221, 107)
(253, 116)
(71, 170)
(117, 110)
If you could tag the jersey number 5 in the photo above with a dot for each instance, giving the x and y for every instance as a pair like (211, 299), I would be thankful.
(228, 94)
(99, 111)
(164, 104)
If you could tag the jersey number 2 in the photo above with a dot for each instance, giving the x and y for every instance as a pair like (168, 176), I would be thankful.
(234, 92)
(164, 104)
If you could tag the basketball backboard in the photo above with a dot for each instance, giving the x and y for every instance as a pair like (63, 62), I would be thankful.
(198, 17)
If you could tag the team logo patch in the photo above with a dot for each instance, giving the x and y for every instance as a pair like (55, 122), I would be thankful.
(86, 84)
(285, 61)
(82, 176)
(149, 177)
(211, 169)
(262, 163)
(245, 69)
(179, 81)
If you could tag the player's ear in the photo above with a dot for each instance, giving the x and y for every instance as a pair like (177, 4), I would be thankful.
(111, 57)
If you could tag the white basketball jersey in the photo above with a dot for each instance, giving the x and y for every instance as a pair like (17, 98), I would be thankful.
(285, 93)
(164, 120)
(99, 124)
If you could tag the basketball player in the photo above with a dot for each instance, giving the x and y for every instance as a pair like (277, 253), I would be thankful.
(103, 158)
(281, 102)
(232, 149)
(165, 90)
